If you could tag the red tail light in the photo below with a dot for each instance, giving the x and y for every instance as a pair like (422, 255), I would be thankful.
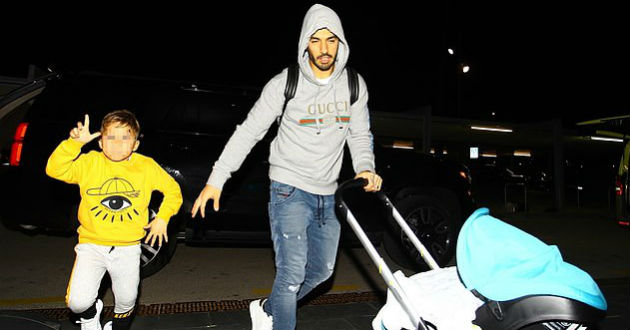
(18, 141)
(618, 187)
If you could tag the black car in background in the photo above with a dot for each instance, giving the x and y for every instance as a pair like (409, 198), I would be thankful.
(617, 129)
(184, 127)
(622, 183)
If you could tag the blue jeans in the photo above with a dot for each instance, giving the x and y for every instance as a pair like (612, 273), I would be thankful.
(305, 234)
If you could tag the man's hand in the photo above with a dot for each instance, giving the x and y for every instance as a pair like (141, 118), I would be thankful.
(81, 133)
(374, 181)
(209, 192)
(157, 230)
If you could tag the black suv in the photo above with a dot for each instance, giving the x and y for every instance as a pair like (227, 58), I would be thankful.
(184, 127)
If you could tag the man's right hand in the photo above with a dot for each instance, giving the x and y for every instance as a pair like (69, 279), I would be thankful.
(209, 192)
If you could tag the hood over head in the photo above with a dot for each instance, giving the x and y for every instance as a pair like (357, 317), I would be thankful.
(321, 17)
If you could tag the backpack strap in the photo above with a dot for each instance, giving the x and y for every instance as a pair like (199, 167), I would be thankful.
(292, 82)
(353, 84)
(293, 73)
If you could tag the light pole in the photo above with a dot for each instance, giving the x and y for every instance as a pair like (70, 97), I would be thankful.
(462, 69)
(454, 64)
(459, 91)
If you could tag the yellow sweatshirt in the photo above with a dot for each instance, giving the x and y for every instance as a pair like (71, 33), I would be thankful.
(115, 196)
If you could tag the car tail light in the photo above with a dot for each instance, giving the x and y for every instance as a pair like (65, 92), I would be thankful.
(18, 142)
(465, 175)
(624, 223)
(618, 187)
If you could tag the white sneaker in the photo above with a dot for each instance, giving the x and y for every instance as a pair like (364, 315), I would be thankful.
(260, 319)
(95, 322)
(108, 326)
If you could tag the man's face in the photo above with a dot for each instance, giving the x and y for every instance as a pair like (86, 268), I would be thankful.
(118, 142)
(322, 49)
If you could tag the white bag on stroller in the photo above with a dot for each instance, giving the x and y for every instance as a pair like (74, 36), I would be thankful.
(439, 294)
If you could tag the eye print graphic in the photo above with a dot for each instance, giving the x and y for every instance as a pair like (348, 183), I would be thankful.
(116, 203)
(115, 206)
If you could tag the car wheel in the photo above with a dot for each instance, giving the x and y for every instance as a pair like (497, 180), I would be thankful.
(433, 222)
(154, 257)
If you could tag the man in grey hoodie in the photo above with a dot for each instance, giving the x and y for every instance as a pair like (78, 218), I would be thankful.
(304, 163)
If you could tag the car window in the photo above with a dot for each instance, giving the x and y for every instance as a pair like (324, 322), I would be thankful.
(161, 105)
(222, 113)
(205, 113)
(181, 115)
(68, 100)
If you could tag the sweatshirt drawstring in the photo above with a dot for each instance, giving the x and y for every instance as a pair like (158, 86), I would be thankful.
(319, 130)
(337, 116)
(318, 115)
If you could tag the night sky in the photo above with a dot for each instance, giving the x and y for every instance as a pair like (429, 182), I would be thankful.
(529, 60)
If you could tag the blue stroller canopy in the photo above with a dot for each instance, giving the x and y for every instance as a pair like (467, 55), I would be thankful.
(503, 263)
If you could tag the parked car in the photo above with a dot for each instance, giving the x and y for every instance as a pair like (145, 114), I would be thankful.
(622, 183)
(184, 127)
(615, 128)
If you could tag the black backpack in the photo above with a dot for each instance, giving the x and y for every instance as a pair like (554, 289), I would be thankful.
(292, 82)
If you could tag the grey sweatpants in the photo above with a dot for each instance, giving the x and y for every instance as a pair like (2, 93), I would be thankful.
(92, 261)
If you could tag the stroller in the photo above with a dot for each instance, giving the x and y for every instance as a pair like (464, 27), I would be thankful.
(505, 279)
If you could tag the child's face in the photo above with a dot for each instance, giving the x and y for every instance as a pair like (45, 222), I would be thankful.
(118, 142)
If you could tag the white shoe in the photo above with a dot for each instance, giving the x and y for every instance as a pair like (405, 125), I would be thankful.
(95, 322)
(260, 319)
(108, 326)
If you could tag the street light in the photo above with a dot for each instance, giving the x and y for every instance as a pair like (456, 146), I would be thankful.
(457, 66)
(463, 69)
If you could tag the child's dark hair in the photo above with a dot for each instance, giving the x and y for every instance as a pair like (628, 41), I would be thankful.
(122, 117)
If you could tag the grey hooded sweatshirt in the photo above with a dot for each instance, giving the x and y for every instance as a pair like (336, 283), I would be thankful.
(307, 152)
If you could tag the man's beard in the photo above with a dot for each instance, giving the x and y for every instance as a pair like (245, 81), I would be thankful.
(322, 67)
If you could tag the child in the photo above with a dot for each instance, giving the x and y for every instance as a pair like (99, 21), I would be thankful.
(115, 187)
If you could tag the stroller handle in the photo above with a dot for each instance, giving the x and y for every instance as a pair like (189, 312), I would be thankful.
(349, 184)
(356, 183)
(404, 226)
(384, 270)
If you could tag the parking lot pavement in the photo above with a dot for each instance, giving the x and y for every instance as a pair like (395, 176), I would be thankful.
(35, 271)
(350, 316)
(322, 315)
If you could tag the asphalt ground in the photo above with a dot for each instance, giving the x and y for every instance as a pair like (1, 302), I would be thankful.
(211, 287)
